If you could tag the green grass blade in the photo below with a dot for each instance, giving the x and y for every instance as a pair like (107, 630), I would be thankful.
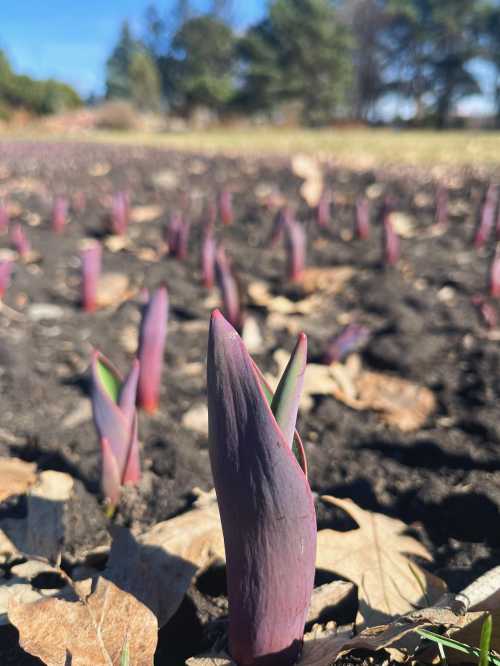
(456, 645)
(485, 641)
(125, 655)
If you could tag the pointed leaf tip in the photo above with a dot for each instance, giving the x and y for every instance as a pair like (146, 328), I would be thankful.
(285, 403)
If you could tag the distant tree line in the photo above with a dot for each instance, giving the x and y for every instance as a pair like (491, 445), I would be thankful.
(319, 60)
(39, 97)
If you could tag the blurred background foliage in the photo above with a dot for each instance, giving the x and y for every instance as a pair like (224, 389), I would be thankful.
(313, 62)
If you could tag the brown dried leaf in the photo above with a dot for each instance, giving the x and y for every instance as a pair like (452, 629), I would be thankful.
(19, 586)
(374, 557)
(259, 294)
(401, 403)
(329, 280)
(16, 476)
(99, 169)
(182, 547)
(91, 631)
(323, 645)
(146, 213)
(112, 290)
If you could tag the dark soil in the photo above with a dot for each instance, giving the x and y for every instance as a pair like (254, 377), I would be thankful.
(443, 480)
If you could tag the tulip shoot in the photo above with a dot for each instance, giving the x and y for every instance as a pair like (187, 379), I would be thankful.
(115, 418)
(91, 261)
(229, 289)
(487, 217)
(152, 338)
(295, 244)
(362, 218)
(266, 507)
(59, 214)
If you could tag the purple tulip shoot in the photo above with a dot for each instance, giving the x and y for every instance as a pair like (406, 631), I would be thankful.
(323, 210)
(487, 217)
(208, 252)
(120, 213)
(20, 241)
(183, 240)
(295, 245)
(6, 266)
(91, 262)
(172, 233)
(392, 246)
(79, 202)
(152, 338)
(282, 218)
(115, 418)
(441, 219)
(265, 503)
(4, 218)
(486, 311)
(353, 337)
(226, 207)
(362, 218)
(229, 289)
(59, 214)
(495, 275)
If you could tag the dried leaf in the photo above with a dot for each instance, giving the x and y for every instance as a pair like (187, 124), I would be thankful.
(45, 524)
(16, 476)
(91, 630)
(403, 224)
(145, 213)
(181, 548)
(329, 280)
(260, 295)
(99, 169)
(196, 419)
(327, 597)
(112, 289)
(19, 586)
(374, 557)
(401, 403)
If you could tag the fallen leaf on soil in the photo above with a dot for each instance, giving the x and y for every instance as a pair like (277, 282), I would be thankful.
(375, 190)
(308, 168)
(45, 528)
(90, 630)
(329, 280)
(16, 476)
(129, 339)
(401, 403)
(112, 290)
(374, 557)
(116, 243)
(166, 179)
(182, 547)
(323, 645)
(196, 419)
(146, 213)
(99, 169)
(259, 294)
(403, 224)
(326, 597)
(252, 337)
(19, 586)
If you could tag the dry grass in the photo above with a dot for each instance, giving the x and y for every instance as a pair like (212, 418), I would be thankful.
(363, 147)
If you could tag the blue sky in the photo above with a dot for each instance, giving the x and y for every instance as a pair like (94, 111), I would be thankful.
(71, 40)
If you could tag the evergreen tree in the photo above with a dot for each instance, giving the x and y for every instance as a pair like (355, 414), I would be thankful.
(302, 53)
(118, 64)
(144, 81)
(200, 69)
